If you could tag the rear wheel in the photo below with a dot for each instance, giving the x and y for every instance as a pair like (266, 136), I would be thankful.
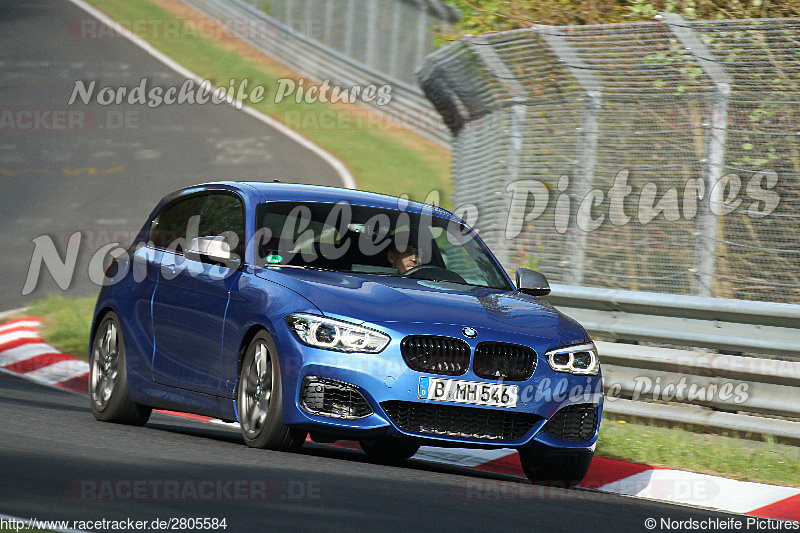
(389, 448)
(108, 377)
(260, 399)
(557, 470)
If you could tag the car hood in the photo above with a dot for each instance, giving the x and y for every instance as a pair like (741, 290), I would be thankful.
(390, 300)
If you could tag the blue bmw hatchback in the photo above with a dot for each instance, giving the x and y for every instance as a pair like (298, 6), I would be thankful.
(300, 310)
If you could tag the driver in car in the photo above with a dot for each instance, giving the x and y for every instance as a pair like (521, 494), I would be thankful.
(404, 260)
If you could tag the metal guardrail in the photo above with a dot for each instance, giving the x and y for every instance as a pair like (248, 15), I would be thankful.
(318, 62)
(716, 323)
(741, 390)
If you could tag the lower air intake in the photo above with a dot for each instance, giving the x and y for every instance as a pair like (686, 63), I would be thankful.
(573, 423)
(460, 422)
(330, 397)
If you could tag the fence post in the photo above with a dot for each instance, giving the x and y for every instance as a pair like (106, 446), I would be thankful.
(328, 24)
(422, 32)
(585, 159)
(349, 34)
(309, 22)
(511, 163)
(372, 41)
(288, 11)
(395, 39)
(705, 249)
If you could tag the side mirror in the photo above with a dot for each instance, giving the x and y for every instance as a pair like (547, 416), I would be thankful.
(212, 250)
(532, 282)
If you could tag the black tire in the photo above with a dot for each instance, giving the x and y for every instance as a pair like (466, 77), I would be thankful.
(108, 377)
(388, 449)
(260, 399)
(564, 471)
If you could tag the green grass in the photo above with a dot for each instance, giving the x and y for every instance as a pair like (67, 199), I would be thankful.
(65, 322)
(763, 461)
(389, 160)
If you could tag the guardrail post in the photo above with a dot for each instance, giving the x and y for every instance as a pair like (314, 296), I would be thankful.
(707, 224)
(583, 178)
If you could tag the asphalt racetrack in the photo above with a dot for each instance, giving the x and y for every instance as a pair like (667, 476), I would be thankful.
(59, 463)
(104, 174)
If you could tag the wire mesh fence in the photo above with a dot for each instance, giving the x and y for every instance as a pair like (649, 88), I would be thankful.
(660, 156)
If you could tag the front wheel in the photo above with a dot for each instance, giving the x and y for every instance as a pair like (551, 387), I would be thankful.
(557, 470)
(260, 399)
(389, 448)
(108, 377)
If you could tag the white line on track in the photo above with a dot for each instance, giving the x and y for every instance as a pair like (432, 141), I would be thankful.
(344, 174)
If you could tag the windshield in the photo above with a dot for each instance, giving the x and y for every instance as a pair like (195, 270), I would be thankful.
(367, 240)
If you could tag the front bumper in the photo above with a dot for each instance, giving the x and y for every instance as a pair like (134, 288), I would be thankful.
(554, 410)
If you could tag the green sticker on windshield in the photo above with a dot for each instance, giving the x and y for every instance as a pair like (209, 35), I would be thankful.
(274, 258)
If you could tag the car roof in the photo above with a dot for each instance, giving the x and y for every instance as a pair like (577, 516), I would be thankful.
(295, 192)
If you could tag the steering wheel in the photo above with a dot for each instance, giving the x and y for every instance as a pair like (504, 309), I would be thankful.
(419, 268)
(433, 273)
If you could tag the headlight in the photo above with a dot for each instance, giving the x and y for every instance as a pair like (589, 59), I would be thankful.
(581, 359)
(330, 334)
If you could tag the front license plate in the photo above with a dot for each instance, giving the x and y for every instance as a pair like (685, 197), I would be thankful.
(470, 392)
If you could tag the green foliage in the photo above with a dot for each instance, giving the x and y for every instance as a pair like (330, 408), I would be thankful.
(481, 16)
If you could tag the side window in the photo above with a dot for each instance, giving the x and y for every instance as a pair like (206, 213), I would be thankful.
(223, 214)
(173, 222)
